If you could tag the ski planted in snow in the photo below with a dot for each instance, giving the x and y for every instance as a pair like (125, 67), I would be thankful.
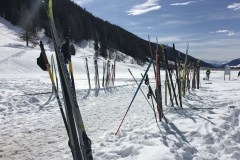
(184, 73)
(79, 143)
(177, 77)
(158, 90)
(171, 80)
(87, 71)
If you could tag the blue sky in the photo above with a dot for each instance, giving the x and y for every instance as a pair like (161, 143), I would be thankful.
(212, 27)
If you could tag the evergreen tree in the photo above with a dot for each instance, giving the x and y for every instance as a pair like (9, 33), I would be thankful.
(30, 36)
(103, 47)
(96, 47)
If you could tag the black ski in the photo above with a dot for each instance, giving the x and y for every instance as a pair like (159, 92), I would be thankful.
(171, 80)
(177, 78)
(80, 143)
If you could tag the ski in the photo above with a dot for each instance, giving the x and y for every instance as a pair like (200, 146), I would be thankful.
(171, 80)
(158, 84)
(54, 71)
(114, 71)
(87, 71)
(184, 72)
(95, 59)
(198, 74)
(188, 73)
(194, 76)
(168, 86)
(104, 69)
(177, 77)
(108, 73)
(80, 143)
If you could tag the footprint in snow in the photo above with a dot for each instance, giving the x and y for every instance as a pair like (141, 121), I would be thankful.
(33, 100)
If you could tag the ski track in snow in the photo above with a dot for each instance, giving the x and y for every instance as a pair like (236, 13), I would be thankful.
(31, 126)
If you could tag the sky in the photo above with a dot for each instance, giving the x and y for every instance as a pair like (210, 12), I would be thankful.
(211, 27)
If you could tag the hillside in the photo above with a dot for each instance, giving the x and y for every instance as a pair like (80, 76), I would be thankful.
(233, 63)
(83, 26)
(16, 58)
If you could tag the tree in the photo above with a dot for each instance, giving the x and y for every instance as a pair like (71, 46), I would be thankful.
(96, 47)
(31, 32)
(31, 35)
(103, 45)
(103, 48)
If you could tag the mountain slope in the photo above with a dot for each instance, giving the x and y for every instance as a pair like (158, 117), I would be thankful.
(215, 63)
(83, 26)
(16, 58)
(235, 62)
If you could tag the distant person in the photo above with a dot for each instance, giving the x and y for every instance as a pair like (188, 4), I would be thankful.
(208, 74)
(239, 74)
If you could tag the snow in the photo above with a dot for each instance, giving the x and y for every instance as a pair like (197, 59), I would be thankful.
(31, 126)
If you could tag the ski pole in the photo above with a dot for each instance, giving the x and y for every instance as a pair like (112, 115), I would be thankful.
(149, 65)
(53, 84)
(140, 88)
(154, 97)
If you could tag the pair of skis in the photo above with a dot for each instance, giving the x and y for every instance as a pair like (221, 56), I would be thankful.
(158, 91)
(170, 85)
(79, 142)
(108, 73)
(177, 65)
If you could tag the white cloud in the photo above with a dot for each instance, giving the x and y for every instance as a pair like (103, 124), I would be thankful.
(229, 33)
(222, 31)
(169, 39)
(149, 5)
(82, 2)
(183, 4)
(234, 6)
(174, 22)
(214, 49)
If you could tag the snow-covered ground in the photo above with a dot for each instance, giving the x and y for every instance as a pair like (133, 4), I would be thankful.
(31, 126)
